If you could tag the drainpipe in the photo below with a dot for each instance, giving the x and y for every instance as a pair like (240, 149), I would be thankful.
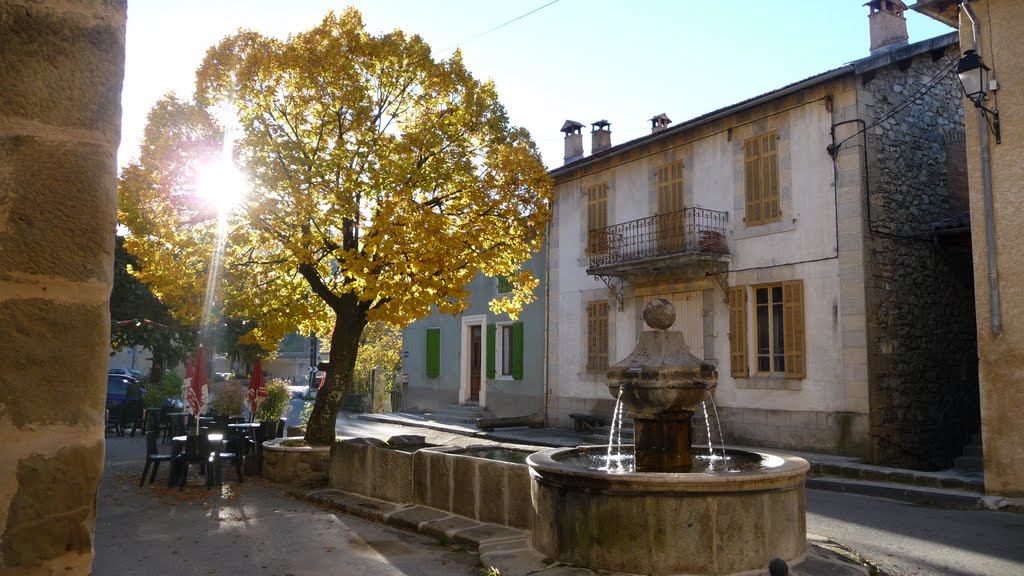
(986, 184)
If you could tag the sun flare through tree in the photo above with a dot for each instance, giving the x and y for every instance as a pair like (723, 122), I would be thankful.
(379, 182)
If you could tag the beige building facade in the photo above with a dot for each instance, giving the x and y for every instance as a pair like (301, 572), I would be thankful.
(802, 259)
(993, 28)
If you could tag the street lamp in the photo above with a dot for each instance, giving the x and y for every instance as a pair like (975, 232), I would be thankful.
(973, 75)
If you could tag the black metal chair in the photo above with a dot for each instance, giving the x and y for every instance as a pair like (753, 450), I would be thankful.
(154, 457)
(196, 451)
(114, 419)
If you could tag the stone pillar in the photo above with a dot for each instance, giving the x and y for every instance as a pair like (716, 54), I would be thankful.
(61, 65)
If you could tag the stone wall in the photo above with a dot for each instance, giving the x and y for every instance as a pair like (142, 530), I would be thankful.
(921, 332)
(61, 68)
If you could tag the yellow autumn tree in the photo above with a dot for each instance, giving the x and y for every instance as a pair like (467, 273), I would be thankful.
(380, 181)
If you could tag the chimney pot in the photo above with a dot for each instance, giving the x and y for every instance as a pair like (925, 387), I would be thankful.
(600, 136)
(573, 140)
(659, 123)
(887, 24)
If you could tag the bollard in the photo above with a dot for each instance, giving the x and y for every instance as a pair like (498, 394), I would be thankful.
(778, 567)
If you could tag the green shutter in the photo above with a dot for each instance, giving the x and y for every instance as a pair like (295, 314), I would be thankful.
(433, 352)
(517, 351)
(491, 332)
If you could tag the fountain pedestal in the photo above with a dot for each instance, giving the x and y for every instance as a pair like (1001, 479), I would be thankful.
(664, 517)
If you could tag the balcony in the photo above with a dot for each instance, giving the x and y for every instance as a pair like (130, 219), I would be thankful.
(674, 241)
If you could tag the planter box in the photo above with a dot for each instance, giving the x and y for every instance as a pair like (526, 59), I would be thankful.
(295, 463)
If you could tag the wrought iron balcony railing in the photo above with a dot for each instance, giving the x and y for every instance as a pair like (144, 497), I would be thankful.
(689, 231)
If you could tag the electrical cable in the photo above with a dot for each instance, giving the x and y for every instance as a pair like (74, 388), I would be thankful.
(495, 29)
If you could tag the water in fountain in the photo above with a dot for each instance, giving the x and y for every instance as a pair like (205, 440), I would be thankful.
(707, 426)
(615, 435)
(718, 424)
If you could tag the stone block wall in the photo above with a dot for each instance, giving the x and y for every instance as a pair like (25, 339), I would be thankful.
(61, 68)
(921, 331)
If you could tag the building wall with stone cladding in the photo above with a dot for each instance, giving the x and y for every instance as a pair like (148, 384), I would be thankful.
(922, 351)
(61, 68)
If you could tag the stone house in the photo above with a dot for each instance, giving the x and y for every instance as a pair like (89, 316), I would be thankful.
(815, 243)
(478, 358)
(996, 169)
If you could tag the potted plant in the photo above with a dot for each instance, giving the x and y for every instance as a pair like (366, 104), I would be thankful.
(227, 398)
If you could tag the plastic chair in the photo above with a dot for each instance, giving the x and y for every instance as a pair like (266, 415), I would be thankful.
(196, 451)
(154, 457)
(114, 419)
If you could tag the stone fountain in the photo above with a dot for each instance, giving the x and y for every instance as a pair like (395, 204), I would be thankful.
(668, 515)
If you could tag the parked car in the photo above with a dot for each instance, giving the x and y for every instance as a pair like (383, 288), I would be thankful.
(121, 388)
(132, 372)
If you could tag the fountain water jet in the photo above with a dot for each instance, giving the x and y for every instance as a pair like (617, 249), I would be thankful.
(663, 518)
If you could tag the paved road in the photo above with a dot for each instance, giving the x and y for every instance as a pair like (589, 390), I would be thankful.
(908, 540)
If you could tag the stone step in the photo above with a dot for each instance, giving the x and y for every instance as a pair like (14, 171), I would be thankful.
(973, 450)
(467, 407)
(969, 463)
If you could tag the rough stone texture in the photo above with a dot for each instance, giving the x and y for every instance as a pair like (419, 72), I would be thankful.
(921, 329)
(61, 68)
(296, 464)
(659, 314)
(49, 519)
(34, 329)
(61, 65)
(44, 232)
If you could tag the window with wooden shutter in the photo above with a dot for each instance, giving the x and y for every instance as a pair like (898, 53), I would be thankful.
(671, 237)
(597, 219)
(738, 332)
(517, 351)
(793, 310)
(433, 352)
(779, 329)
(761, 179)
(491, 333)
(597, 336)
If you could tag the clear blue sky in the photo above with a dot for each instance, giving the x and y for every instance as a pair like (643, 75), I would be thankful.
(585, 60)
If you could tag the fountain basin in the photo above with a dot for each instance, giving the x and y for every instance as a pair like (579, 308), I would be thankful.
(668, 523)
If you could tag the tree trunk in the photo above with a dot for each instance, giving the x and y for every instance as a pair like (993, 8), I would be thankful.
(350, 319)
(156, 371)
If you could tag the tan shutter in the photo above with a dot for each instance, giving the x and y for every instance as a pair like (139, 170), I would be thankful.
(597, 336)
(670, 208)
(770, 179)
(752, 181)
(738, 332)
(597, 218)
(793, 328)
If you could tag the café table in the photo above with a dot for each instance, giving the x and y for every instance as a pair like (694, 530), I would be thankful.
(179, 444)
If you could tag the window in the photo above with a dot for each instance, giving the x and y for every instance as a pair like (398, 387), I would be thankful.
(761, 179)
(597, 219)
(778, 330)
(504, 285)
(597, 336)
(670, 208)
(505, 350)
(433, 352)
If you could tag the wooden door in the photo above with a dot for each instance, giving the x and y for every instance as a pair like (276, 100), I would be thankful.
(475, 362)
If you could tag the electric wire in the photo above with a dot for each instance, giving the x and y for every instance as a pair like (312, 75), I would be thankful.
(495, 29)
(924, 89)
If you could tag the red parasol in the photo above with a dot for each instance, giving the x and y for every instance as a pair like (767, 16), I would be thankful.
(187, 382)
(257, 388)
(198, 391)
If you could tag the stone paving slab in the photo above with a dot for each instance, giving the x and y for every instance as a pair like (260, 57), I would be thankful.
(447, 526)
(414, 516)
(486, 532)
(518, 563)
(505, 545)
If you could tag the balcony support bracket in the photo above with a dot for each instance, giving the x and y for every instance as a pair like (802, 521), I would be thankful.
(720, 271)
(614, 284)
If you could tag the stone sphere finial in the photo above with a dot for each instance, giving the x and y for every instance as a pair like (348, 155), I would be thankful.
(660, 314)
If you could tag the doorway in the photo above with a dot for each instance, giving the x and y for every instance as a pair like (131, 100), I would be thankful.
(472, 385)
(475, 362)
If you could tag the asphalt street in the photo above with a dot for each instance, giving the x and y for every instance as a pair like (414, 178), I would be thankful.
(908, 540)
